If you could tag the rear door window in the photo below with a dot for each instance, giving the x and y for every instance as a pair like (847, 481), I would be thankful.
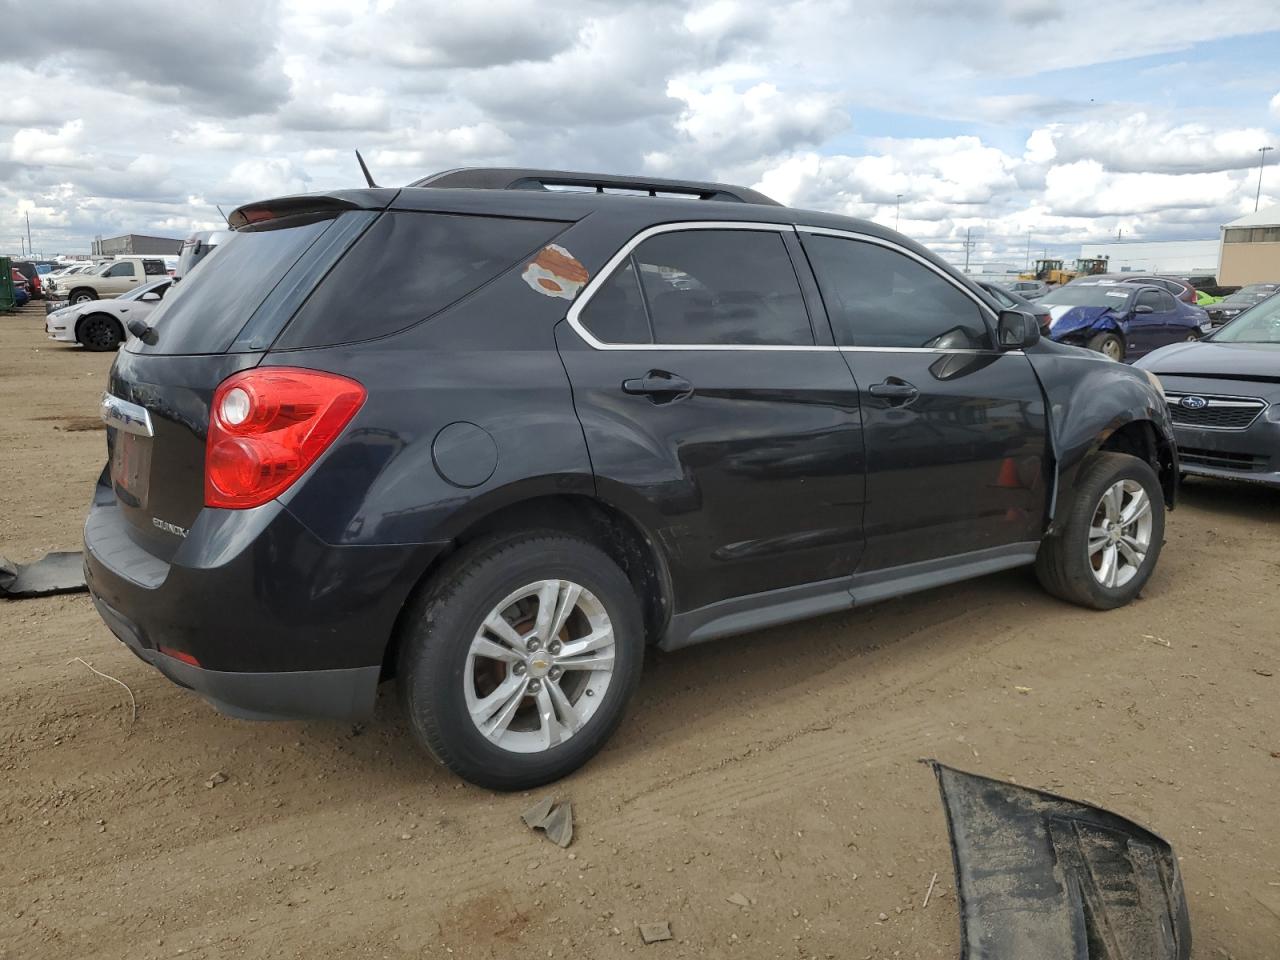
(722, 287)
(154, 268)
(407, 267)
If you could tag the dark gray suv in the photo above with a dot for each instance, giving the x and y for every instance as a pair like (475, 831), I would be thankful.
(494, 433)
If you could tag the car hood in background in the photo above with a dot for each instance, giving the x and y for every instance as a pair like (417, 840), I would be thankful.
(1064, 318)
(1206, 358)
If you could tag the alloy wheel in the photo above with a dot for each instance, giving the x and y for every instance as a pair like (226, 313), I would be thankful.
(1120, 533)
(539, 666)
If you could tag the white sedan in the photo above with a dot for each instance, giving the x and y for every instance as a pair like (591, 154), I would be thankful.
(101, 324)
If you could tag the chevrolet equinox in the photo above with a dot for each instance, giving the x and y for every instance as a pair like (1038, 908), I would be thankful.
(493, 433)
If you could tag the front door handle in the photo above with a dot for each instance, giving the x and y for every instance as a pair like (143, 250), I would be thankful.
(894, 390)
(659, 386)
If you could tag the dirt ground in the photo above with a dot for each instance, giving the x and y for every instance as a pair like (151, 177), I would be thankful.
(780, 766)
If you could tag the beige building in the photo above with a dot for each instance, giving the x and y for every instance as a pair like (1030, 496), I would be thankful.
(1251, 249)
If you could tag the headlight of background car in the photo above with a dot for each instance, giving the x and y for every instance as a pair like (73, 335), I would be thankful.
(1155, 381)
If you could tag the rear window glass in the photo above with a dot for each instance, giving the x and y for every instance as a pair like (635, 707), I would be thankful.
(407, 267)
(209, 307)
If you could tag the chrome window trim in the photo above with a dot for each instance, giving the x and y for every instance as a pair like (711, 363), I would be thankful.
(125, 416)
(595, 283)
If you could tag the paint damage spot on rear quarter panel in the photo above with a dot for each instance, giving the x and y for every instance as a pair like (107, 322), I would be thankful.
(555, 272)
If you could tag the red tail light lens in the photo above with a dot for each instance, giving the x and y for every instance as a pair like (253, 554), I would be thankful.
(267, 426)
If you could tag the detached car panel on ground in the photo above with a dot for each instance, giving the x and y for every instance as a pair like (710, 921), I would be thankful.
(1224, 397)
(596, 422)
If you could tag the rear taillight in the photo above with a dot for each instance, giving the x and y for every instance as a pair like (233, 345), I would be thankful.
(267, 426)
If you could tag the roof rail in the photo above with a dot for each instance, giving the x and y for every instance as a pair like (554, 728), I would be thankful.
(515, 178)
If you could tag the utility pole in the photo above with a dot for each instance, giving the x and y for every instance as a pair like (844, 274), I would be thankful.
(1261, 163)
(30, 248)
(897, 213)
(967, 245)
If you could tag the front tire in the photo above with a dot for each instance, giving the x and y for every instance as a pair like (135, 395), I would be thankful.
(1108, 545)
(1109, 345)
(83, 295)
(99, 333)
(518, 660)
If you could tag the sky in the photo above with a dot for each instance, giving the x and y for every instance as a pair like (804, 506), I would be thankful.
(1017, 124)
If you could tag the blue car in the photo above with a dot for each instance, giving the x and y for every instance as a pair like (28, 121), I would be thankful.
(1122, 320)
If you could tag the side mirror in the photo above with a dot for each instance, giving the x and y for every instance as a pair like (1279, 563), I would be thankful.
(150, 297)
(1144, 308)
(1017, 330)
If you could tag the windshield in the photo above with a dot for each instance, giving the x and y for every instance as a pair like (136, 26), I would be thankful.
(1261, 324)
(1088, 295)
(1253, 293)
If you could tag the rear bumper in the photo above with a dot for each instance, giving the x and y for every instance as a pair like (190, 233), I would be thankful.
(345, 694)
(253, 611)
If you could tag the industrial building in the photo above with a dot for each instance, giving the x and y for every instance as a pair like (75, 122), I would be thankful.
(1183, 258)
(1251, 249)
(135, 244)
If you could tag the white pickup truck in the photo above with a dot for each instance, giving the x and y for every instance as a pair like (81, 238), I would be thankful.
(112, 279)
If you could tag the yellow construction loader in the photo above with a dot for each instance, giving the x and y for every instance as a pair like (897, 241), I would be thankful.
(1049, 271)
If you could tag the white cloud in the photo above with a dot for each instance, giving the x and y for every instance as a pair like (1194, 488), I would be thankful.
(835, 104)
(261, 179)
(60, 148)
(722, 121)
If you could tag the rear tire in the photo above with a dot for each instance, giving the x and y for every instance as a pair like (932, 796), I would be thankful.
(1109, 345)
(100, 333)
(82, 295)
(1073, 563)
(454, 667)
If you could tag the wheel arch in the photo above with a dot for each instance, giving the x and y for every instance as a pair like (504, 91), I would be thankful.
(71, 295)
(1131, 434)
(594, 519)
(98, 313)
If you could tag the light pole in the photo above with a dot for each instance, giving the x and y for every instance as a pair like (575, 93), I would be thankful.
(897, 213)
(1261, 163)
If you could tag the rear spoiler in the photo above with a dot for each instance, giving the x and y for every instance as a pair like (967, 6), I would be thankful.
(263, 214)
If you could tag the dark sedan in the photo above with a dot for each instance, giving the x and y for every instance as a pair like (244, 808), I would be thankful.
(1224, 397)
(1009, 300)
(1122, 320)
(1231, 307)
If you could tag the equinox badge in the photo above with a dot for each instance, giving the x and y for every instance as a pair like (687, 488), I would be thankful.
(168, 527)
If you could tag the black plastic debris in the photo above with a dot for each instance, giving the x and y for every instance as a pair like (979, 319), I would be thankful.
(53, 573)
(1040, 877)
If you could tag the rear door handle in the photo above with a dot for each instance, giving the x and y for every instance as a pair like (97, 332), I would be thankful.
(659, 386)
(894, 389)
